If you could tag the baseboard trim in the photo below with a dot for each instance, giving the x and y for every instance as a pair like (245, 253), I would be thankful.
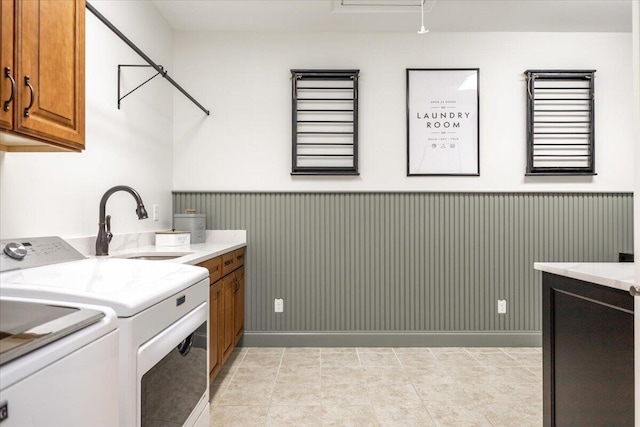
(391, 339)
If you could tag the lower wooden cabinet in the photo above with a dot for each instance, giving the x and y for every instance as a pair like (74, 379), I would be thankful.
(215, 314)
(238, 305)
(228, 335)
(226, 307)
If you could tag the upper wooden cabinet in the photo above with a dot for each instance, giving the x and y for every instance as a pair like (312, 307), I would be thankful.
(7, 69)
(44, 51)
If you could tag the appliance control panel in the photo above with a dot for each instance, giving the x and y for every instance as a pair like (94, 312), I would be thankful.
(35, 252)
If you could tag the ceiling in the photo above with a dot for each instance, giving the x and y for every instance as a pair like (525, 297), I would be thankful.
(398, 16)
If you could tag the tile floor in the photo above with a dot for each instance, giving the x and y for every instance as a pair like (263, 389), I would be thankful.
(379, 387)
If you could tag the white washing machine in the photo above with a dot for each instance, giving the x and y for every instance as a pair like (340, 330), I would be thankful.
(57, 364)
(162, 311)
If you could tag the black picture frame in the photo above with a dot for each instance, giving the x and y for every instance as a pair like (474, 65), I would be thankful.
(443, 121)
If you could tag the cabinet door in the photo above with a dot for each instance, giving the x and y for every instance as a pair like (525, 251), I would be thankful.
(6, 63)
(215, 311)
(238, 305)
(587, 333)
(50, 54)
(228, 336)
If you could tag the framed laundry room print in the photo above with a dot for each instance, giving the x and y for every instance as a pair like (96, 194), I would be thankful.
(443, 122)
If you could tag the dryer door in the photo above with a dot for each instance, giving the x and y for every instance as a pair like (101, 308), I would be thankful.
(172, 371)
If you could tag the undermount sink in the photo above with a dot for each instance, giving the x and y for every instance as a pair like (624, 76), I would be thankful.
(153, 256)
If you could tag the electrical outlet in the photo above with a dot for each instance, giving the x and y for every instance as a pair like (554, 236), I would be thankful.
(278, 305)
(502, 306)
(155, 212)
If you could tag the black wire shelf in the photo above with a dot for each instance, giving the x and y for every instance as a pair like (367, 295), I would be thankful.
(318, 143)
(553, 117)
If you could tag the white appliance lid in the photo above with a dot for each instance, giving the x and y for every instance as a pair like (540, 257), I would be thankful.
(35, 361)
(25, 326)
(127, 286)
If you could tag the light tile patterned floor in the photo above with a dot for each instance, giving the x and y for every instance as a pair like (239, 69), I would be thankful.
(424, 387)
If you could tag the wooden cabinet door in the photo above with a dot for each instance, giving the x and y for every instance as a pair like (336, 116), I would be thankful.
(238, 305)
(6, 63)
(215, 312)
(50, 54)
(228, 335)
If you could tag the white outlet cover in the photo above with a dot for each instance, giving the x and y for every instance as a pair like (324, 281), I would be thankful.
(502, 306)
(278, 305)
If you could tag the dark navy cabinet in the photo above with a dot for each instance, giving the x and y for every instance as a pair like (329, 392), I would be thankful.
(587, 354)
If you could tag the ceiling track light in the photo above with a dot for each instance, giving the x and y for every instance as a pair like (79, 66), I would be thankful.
(423, 30)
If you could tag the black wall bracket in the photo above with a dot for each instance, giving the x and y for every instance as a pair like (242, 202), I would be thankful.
(120, 66)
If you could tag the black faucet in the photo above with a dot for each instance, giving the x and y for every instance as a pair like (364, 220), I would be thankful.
(104, 226)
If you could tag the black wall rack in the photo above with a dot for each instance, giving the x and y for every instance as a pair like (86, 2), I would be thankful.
(161, 71)
(560, 122)
(324, 130)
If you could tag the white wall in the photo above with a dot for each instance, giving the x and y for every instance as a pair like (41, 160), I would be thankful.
(635, 54)
(59, 193)
(246, 143)
(159, 141)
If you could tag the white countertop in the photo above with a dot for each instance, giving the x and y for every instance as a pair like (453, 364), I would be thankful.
(618, 275)
(217, 243)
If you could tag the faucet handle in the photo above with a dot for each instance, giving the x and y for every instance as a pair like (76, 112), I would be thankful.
(107, 222)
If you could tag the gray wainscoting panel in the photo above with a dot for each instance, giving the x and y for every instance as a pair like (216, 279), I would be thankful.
(366, 263)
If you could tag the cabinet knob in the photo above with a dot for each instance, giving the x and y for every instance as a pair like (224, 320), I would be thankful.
(634, 291)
